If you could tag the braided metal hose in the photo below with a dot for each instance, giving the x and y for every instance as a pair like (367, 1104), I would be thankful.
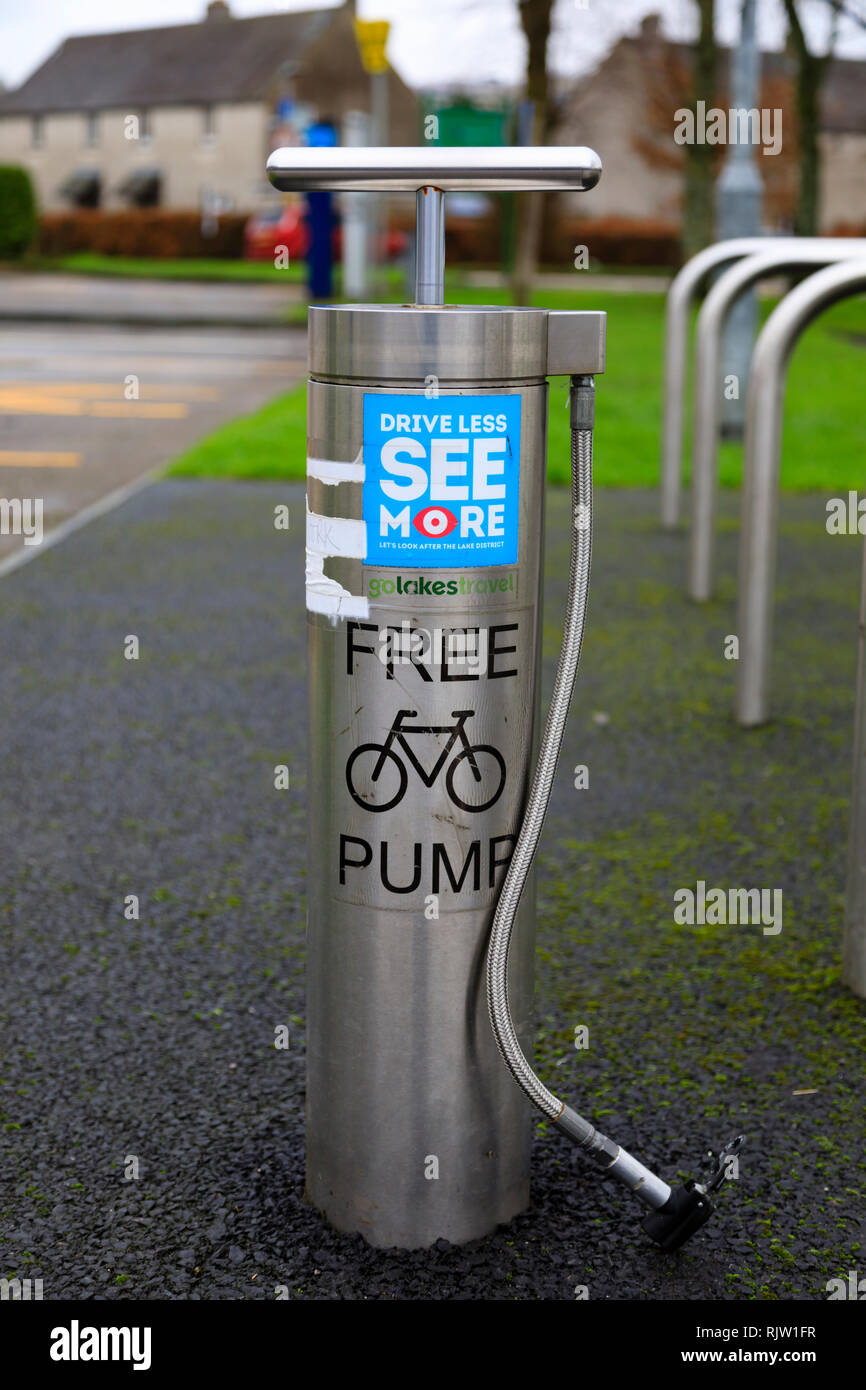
(618, 1161)
(545, 768)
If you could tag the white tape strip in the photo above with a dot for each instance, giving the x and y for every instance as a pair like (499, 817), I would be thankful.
(331, 472)
(326, 596)
(342, 537)
(336, 535)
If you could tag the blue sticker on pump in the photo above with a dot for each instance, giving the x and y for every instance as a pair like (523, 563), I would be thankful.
(441, 480)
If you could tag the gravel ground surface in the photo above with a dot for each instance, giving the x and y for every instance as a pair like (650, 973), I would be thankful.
(153, 1039)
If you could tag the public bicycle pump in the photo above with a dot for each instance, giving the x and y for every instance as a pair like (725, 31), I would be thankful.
(425, 489)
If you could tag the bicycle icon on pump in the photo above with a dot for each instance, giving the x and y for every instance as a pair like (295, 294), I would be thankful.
(377, 777)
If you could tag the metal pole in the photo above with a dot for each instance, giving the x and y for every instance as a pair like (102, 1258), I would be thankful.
(854, 945)
(683, 288)
(379, 219)
(761, 476)
(380, 106)
(728, 289)
(429, 246)
(355, 220)
(739, 194)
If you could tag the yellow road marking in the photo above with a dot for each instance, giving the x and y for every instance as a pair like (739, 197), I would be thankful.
(38, 405)
(139, 410)
(32, 458)
(110, 389)
(21, 404)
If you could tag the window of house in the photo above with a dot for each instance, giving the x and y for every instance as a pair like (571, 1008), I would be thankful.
(83, 188)
(37, 131)
(92, 128)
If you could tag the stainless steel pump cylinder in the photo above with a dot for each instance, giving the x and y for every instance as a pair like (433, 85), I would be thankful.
(425, 482)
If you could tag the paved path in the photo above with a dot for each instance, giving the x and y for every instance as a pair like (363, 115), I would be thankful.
(57, 296)
(154, 1038)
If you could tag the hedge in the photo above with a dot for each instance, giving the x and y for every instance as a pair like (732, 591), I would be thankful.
(17, 211)
(161, 234)
(151, 232)
(609, 240)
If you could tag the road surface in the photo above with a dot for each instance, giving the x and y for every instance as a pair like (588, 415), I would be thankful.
(88, 409)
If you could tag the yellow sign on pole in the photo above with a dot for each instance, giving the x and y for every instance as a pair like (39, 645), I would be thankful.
(372, 36)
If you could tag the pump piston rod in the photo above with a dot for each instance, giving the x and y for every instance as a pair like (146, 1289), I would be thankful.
(429, 246)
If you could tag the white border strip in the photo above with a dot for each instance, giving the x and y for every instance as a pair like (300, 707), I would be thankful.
(75, 523)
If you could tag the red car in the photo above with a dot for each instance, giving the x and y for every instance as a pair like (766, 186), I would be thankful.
(286, 226)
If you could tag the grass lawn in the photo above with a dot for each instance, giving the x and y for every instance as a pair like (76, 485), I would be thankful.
(272, 443)
(201, 268)
(825, 422)
(139, 267)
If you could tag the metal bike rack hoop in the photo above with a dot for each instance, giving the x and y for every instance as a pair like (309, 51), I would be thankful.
(682, 290)
(811, 252)
(760, 500)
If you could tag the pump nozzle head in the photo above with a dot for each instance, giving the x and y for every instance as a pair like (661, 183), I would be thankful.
(689, 1206)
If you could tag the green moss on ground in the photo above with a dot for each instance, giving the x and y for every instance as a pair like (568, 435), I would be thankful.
(697, 1032)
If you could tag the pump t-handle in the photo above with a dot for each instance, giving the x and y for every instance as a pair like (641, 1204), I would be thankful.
(431, 171)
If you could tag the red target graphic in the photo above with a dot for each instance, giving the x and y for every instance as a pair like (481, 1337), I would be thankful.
(435, 522)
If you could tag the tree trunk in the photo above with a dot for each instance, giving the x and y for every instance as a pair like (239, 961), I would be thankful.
(698, 221)
(535, 18)
(808, 92)
(811, 71)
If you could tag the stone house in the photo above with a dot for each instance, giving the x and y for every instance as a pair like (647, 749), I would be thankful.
(185, 116)
(625, 110)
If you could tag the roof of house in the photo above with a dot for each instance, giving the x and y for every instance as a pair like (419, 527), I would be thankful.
(219, 59)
